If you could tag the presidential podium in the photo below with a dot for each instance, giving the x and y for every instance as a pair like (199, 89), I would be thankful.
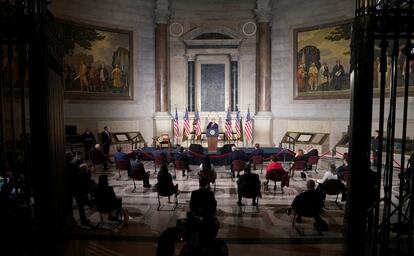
(212, 139)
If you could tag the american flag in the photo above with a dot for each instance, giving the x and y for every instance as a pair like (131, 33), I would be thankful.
(176, 127)
(229, 131)
(186, 125)
(197, 124)
(237, 125)
(248, 126)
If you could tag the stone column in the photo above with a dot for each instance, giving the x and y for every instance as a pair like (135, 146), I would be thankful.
(263, 128)
(191, 83)
(162, 117)
(161, 67)
(234, 80)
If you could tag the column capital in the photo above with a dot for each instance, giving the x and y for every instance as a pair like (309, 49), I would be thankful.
(234, 57)
(190, 56)
(263, 11)
(162, 12)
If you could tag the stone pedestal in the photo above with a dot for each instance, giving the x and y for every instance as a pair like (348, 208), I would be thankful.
(263, 129)
(163, 124)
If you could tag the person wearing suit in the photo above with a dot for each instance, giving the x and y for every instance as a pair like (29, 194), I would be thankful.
(257, 150)
(212, 124)
(248, 178)
(159, 153)
(137, 168)
(106, 140)
(88, 142)
(183, 156)
(203, 203)
(237, 154)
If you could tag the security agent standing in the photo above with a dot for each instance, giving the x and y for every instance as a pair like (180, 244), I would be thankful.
(106, 140)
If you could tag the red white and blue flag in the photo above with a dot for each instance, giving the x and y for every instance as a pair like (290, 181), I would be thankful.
(248, 126)
(237, 125)
(197, 124)
(229, 131)
(176, 127)
(186, 132)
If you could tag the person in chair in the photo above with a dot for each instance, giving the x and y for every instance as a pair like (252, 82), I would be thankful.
(203, 202)
(106, 200)
(307, 203)
(257, 151)
(137, 169)
(97, 156)
(237, 154)
(183, 156)
(164, 179)
(248, 178)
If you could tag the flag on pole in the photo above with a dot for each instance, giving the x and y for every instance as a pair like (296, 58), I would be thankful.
(186, 132)
(229, 131)
(176, 127)
(237, 125)
(248, 126)
(197, 124)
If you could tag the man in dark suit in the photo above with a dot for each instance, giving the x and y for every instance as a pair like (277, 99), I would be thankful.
(106, 140)
(212, 124)
(237, 154)
(183, 156)
(203, 203)
(257, 150)
(88, 141)
(97, 156)
(250, 179)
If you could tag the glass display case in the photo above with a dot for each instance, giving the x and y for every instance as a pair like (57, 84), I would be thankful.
(305, 140)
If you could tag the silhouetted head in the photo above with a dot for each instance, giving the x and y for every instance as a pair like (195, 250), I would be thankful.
(103, 181)
(310, 184)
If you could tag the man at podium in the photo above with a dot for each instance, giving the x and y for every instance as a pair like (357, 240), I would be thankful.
(212, 124)
(212, 135)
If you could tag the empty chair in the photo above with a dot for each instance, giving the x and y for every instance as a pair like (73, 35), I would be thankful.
(257, 160)
(313, 160)
(122, 164)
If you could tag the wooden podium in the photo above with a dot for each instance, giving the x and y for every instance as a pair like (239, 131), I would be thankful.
(212, 139)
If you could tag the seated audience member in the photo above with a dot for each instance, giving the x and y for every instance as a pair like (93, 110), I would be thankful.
(164, 179)
(248, 178)
(203, 203)
(312, 152)
(106, 200)
(329, 175)
(159, 153)
(183, 156)
(138, 169)
(300, 156)
(275, 165)
(119, 155)
(98, 156)
(257, 151)
(343, 168)
(237, 154)
(308, 203)
(207, 171)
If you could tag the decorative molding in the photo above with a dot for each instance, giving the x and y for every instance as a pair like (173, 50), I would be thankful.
(176, 29)
(212, 29)
(249, 28)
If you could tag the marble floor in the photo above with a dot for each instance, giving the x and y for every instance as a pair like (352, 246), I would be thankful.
(268, 232)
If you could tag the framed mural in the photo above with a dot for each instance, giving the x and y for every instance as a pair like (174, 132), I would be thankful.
(400, 70)
(97, 62)
(322, 61)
